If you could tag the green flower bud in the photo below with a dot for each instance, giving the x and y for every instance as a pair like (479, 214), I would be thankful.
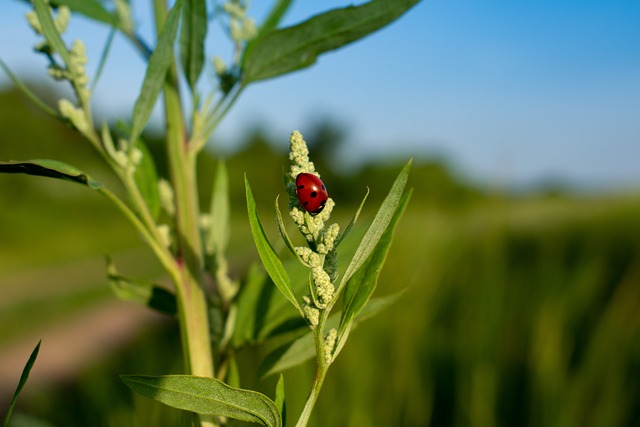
(123, 10)
(331, 265)
(233, 9)
(120, 155)
(330, 345)
(75, 115)
(235, 29)
(219, 66)
(327, 238)
(311, 313)
(164, 231)
(136, 156)
(249, 29)
(61, 21)
(166, 197)
(34, 22)
(323, 287)
(299, 156)
(305, 254)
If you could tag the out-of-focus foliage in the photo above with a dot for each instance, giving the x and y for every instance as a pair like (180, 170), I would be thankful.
(520, 310)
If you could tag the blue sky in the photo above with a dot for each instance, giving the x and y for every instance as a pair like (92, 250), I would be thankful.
(510, 92)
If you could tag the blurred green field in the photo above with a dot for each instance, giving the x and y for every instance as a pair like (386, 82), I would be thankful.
(520, 309)
(522, 313)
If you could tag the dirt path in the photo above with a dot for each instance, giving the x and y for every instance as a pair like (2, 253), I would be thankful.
(71, 342)
(71, 345)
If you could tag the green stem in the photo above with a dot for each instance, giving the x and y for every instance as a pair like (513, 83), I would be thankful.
(192, 301)
(322, 366)
(313, 396)
(221, 110)
(142, 47)
(144, 215)
(194, 313)
(162, 253)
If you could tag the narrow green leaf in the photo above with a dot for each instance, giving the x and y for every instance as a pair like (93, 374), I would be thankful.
(261, 310)
(275, 16)
(50, 32)
(377, 305)
(219, 212)
(21, 383)
(192, 36)
(346, 231)
(280, 401)
(233, 373)
(40, 103)
(146, 178)
(153, 296)
(142, 292)
(206, 396)
(283, 232)
(379, 224)
(292, 354)
(51, 169)
(268, 255)
(154, 78)
(103, 58)
(92, 9)
(217, 235)
(289, 49)
(360, 287)
(250, 305)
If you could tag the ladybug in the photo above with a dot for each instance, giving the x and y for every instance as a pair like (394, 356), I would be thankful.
(311, 193)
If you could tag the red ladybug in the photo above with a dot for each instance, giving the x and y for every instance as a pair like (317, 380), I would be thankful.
(311, 193)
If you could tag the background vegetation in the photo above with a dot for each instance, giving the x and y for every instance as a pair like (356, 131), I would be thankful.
(520, 309)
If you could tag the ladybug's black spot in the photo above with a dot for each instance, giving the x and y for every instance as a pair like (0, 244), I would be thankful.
(313, 195)
(305, 203)
(323, 187)
(300, 187)
(317, 211)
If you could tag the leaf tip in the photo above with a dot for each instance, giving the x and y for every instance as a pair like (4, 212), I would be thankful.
(409, 163)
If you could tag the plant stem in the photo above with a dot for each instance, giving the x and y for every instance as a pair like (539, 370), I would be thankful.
(192, 302)
(163, 255)
(321, 372)
(221, 110)
(322, 366)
